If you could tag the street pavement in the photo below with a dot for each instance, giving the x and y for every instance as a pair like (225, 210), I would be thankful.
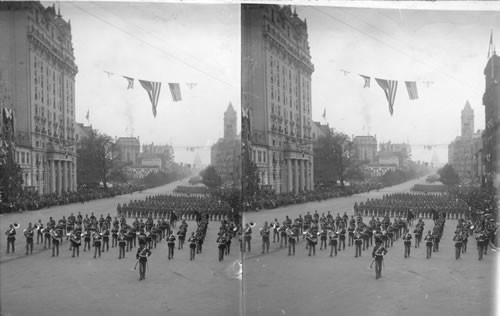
(40, 284)
(278, 284)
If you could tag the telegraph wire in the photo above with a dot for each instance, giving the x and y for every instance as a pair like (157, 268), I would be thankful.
(153, 46)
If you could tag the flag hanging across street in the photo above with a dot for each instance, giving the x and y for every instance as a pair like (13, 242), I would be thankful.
(175, 90)
(411, 86)
(367, 81)
(390, 87)
(191, 85)
(130, 82)
(153, 90)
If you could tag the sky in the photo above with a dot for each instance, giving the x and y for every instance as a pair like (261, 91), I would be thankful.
(447, 48)
(178, 43)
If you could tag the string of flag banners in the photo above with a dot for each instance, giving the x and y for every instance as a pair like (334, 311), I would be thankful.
(153, 89)
(390, 87)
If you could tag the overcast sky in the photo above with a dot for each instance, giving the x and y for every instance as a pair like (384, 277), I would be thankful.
(156, 42)
(448, 48)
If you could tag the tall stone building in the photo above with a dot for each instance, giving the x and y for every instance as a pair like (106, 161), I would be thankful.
(276, 95)
(464, 151)
(38, 65)
(365, 148)
(225, 155)
(491, 135)
(128, 149)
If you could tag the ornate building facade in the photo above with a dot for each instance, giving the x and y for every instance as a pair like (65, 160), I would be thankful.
(38, 64)
(365, 148)
(225, 155)
(128, 149)
(276, 95)
(491, 134)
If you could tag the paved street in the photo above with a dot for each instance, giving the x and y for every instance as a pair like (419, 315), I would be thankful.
(276, 284)
(40, 284)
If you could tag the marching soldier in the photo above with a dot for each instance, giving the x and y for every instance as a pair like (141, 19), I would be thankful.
(122, 242)
(182, 235)
(358, 241)
(379, 251)
(221, 244)
(322, 238)
(114, 236)
(428, 243)
(105, 237)
(465, 238)
(192, 245)
(171, 245)
(247, 237)
(342, 237)
(142, 255)
(56, 236)
(264, 232)
(276, 233)
(282, 233)
(350, 230)
(11, 238)
(458, 238)
(312, 240)
(86, 239)
(333, 240)
(47, 237)
(418, 235)
(480, 238)
(75, 240)
(28, 233)
(39, 235)
(407, 243)
(97, 243)
(292, 237)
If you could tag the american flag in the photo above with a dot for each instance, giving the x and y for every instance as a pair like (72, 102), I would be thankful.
(153, 90)
(390, 87)
(130, 82)
(175, 89)
(411, 86)
(367, 81)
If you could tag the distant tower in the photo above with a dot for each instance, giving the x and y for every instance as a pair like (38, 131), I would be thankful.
(197, 161)
(435, 159)
(230, 120)
(467, 121)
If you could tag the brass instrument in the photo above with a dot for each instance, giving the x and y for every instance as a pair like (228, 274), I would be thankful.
(251, 224)
(16, 225)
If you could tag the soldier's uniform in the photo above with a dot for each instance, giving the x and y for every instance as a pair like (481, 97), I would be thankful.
(458, 238)
(192, 246)
(28, 233)
(247, 237)
(379, 251)
(292, 237)
(265, 233)
(142, 256)
(97, 243)
(429, 239)
(75, 240)
(171, 246)
(122, 242)
(333, 237)
(407, 243)
(358, 241)
(221, 244)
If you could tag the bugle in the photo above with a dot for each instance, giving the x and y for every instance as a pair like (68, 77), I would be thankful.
(251, 224)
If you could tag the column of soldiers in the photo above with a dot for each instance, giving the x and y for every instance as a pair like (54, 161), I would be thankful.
(97, 232)
(421, 205)
(361, 235)
(176, 207)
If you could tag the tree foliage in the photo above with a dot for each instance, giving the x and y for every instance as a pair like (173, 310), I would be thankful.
(334, 159)
(448, 175)
(211, 178)
(98, 161)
